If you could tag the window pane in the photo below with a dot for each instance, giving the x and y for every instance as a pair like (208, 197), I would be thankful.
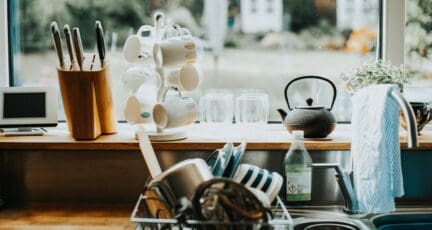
(418, 47)
(266, 44)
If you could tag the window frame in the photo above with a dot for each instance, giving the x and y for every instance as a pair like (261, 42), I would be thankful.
(4, 44)
(392, 31)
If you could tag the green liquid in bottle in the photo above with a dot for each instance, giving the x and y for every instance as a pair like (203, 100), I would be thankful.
(298, 171)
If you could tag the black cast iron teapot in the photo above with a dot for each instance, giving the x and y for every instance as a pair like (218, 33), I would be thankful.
(315, 121)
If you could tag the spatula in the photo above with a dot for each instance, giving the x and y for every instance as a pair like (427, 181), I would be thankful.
(148, 153)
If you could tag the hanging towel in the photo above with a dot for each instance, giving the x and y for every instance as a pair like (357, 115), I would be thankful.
(375, 149)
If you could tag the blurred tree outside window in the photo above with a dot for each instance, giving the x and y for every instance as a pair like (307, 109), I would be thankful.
(419, 38)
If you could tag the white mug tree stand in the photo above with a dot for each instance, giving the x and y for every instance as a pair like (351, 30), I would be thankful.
(173, 58)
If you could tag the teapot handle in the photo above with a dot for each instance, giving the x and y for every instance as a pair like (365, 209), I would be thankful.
(311, 77)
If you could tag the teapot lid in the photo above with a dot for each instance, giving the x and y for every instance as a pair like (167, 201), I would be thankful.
(309, 103)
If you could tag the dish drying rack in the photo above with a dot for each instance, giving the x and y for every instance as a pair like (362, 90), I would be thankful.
(281, 220)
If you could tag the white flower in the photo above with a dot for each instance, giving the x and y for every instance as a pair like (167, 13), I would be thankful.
(375, 73)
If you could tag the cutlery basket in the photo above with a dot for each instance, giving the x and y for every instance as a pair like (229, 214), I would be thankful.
(88, 102)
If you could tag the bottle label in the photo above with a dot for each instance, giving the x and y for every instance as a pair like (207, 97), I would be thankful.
(299, 186)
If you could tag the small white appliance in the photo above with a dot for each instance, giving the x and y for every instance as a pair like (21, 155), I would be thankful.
(24, 110)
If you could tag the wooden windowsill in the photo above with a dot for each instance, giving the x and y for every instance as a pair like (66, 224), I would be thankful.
(200, 137)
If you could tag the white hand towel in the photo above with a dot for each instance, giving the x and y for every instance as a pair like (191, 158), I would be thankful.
(375, 149)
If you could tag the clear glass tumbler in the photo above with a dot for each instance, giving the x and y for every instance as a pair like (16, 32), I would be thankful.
(217, 106)
(252, 107)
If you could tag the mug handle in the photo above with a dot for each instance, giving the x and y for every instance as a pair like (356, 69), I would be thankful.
(185, 33)
(166, 89)
(145, 28)
(172, 27)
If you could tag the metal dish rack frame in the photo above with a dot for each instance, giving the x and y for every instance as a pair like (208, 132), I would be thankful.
(281, 220)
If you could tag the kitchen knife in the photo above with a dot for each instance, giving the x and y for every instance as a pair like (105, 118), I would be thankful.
(55, 34)
(69, 44)
(78, 47)
(100, 41)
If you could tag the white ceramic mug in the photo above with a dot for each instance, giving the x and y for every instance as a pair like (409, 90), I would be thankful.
(175, 51)
(139, 47)
(186, 78)
(139, 107)
(175, 113)
(135, 76)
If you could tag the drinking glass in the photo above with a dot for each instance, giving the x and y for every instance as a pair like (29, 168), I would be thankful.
(217, 106)
(252, 107)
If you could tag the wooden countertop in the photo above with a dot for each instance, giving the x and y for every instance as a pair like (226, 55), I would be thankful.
(60, 216)
(200, 137)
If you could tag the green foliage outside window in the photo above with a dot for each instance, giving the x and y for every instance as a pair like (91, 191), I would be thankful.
(419, 21)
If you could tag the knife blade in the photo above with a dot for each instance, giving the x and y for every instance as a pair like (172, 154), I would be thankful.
(78, 47)
(55, 34)
(69, 45)
(100, 41)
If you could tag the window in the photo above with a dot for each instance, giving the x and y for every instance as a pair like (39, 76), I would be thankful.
(418, 40)
(264, 51)
(270, 6)
(253, 6)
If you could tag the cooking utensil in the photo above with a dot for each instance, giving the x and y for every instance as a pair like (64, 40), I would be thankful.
(78, 47)
(69, 44)
(182, 179)
(315, 121)
(100, 41)
(148, 153)
(224, 200)
(55, 34)
(155, 204)
(423, 113)
(261, 196)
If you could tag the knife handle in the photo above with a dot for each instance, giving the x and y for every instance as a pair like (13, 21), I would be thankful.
(78, 47)
(55, 33)
(100, 41)
(69, 44)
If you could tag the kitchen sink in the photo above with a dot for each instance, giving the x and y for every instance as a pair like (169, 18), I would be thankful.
(332, 217)
(403, 221)
(333, 223)
(327, 219)
(322, 224)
